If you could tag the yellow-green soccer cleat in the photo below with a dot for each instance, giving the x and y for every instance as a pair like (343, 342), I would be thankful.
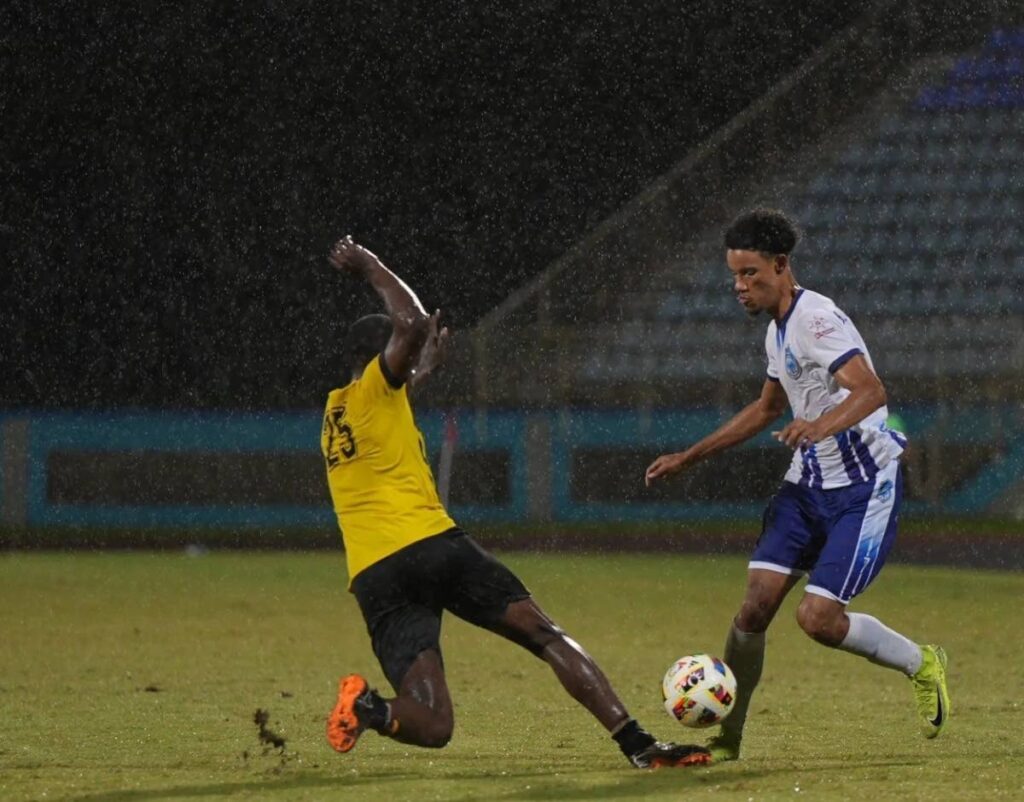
(724, 748)
(930, 690)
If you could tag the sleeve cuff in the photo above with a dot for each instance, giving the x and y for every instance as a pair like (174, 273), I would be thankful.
(772, 378)
(392, 380)
(838, 363)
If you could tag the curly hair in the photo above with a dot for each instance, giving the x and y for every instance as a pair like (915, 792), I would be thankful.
(764, 230)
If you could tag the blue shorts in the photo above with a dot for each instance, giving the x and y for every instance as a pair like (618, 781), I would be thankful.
(841, 537)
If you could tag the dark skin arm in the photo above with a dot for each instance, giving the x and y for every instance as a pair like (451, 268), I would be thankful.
(753, 418)
(410, 322)
(866, 395)
(434, 351)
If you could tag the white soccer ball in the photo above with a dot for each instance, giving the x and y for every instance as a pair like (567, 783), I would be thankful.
(699, 690)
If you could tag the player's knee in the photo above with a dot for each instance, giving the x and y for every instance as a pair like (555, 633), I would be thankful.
(439, 738)
(546, 636)
(754, 617)
(820, 624)
(439, 731)
(529, 627)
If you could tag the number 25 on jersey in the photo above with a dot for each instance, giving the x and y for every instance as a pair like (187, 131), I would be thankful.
(340, 443)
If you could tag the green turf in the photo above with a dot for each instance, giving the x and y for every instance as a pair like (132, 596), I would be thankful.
(220, 635)
(639, 535)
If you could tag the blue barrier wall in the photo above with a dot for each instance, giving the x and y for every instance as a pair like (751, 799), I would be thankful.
(167, 433)
(283, 434)
(661, 432)
(260, 441)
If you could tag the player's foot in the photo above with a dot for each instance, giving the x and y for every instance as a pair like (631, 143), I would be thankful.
(659, 755)
(724, 747)
(930, 690)
(350, 715)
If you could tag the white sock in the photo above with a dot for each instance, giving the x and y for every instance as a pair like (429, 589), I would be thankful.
(872, 639)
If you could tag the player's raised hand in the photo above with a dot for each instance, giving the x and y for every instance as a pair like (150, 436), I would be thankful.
(350, 257)
(435, 349)
(439, 336)
(665, 465)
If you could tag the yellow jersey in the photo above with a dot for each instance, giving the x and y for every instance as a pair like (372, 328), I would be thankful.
(381, 484)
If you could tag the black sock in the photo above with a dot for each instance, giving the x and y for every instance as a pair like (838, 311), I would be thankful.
(376, 713)
(632, 738)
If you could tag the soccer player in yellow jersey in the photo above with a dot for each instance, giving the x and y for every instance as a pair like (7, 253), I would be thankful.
(408, 561)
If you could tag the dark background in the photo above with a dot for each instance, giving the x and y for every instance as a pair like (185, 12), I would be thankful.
(175, 176)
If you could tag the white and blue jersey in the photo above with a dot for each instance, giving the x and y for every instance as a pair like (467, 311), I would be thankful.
(805, 349)
(835, 516)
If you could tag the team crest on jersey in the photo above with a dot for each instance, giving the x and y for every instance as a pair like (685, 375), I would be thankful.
(792, 366)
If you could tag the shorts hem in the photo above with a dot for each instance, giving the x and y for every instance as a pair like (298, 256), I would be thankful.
(778, 569)
(818, 590)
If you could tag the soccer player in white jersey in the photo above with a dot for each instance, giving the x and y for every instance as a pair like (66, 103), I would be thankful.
(834, 518)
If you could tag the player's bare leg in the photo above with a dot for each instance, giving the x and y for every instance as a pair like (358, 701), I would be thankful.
(827, 621)
(744, 651)
(526, 624)
(420, 715)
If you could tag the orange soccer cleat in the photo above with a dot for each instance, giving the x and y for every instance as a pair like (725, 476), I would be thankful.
(347, 722)
(661, 755)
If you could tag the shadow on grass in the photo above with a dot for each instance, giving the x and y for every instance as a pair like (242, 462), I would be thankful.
(632, 785)
(261, 787)
(729, 777)
(267, 786)
(576, 783)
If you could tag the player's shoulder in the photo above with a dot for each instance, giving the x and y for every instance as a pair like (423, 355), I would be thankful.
(338, 396)
(376, 390)
(818, 314)
(378, 375)
(812, 302)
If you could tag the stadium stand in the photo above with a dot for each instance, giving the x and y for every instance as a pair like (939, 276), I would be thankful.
(915, 226)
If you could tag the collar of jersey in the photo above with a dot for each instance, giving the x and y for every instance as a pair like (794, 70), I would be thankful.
(780, 331)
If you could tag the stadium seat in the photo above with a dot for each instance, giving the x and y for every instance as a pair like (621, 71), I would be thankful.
(915, 226)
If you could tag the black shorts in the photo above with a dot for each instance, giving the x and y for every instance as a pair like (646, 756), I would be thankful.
(403, 595)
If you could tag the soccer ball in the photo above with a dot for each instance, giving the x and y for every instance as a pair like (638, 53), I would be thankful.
(699, 690)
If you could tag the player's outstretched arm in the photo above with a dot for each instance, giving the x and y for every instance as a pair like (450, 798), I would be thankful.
(434, 351)
(753, 418)
(410, 322)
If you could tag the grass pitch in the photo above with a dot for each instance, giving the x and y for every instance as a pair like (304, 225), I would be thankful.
(132, 677)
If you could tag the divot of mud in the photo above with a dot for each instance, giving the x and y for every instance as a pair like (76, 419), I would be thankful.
(267, 736)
